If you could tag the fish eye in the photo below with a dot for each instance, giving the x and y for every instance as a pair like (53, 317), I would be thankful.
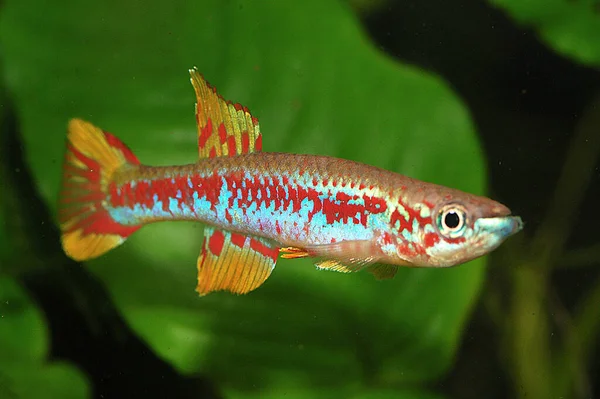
(452, 220)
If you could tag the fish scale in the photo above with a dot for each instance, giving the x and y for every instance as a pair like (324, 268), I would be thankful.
(258, 206)
(294, 199)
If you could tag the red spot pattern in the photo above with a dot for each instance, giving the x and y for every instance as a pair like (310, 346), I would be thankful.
(222, 133)
(238, 240)
(258, 143)
(404, 224)
(411, 251)
(231, 145)
(267, 191)
(283, 193)
(245, 142)
(431, 239)
(216, 242)
(456, 240)
(205, 133)
(264, 250)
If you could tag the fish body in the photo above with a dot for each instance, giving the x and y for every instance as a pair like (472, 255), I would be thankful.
(258, 206)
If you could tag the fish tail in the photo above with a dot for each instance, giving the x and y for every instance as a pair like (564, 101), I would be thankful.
(91, 159)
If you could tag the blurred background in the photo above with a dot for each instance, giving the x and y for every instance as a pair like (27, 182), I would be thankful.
(497, 97)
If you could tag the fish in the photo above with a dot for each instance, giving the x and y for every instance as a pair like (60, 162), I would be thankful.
(258, 207)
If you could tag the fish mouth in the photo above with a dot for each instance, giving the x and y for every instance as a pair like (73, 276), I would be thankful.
(501, 227)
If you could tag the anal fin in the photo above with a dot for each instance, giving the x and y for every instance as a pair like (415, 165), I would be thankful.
(233, 262)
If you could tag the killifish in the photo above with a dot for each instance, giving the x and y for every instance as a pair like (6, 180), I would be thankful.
(257, 207)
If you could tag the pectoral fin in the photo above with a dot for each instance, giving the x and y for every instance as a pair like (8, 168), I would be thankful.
(345, 256)
(337, 266)
(379, 270)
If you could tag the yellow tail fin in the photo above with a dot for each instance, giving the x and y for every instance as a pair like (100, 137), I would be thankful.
(91, 158)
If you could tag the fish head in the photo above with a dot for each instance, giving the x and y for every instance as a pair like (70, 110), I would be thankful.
(461, 227)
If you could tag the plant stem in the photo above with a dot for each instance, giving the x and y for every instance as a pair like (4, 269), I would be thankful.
(528, 326)
(579, 343)
(530, 333)
(586, 323)
(582, 156)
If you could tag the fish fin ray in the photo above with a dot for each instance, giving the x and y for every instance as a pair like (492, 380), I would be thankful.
(358, 253)
(224, 128)
(233, 262)
(337, 266)
(92, 158)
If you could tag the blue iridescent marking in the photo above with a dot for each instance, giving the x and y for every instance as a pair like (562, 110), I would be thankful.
(173, 206)
(275, 216)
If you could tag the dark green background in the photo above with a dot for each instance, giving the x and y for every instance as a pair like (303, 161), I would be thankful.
(318, 82)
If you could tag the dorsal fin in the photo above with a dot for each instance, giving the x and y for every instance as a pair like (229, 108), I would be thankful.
(233, 262)
(224, 128)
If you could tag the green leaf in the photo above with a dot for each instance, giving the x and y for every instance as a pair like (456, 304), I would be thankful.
(24, 372)
(571, 27)
(4, 245)
(372, 393)
(318, 86)
(57, 380)
(23, 334)
(364, 7)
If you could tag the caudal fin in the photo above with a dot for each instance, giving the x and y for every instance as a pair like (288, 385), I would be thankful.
(91, 159)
